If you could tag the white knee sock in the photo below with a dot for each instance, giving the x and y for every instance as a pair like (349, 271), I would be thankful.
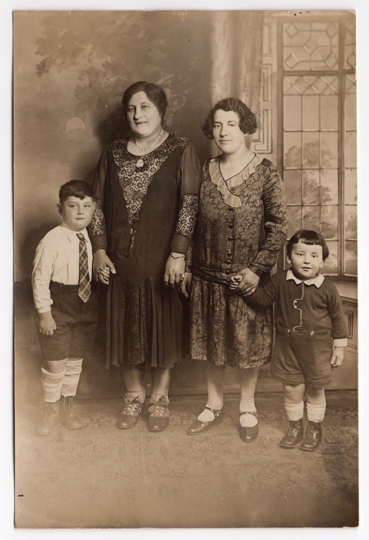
(294, 411)
(51, 385)
(71, 377)
(316, 413)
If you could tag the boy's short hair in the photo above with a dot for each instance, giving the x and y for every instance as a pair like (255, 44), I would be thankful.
(311, 238)
(75, 188)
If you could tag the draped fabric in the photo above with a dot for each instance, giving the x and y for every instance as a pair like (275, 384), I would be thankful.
(236, 56)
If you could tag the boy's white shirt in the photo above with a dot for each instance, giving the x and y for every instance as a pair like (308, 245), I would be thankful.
(57, 259)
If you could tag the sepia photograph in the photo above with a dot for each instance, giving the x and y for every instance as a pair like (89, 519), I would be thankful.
(185, 243)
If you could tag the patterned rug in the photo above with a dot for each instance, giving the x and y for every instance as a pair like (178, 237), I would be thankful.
(101, 477)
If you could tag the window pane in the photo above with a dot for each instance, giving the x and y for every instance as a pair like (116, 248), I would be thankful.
(310, 150)
(310, 113)
(292, 149)
(350, 112)
(351, 258)
(310, 187)
(292, 113)
(292, 180)
(329, 222)
(350, 186)
(294, 219)
(330, 266)
(329, 186)
(329, 150)
(329, 113)
(311, 218)
(350, 149)
(350, 222)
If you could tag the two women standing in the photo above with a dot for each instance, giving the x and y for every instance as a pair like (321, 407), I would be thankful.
(148, 188)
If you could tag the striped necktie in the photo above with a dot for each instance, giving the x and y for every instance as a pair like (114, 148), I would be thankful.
(84, 284)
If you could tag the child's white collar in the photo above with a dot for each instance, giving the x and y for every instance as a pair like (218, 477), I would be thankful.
(317, 280)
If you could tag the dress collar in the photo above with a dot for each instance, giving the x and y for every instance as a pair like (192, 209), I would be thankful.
(317, 280)
(224, 187)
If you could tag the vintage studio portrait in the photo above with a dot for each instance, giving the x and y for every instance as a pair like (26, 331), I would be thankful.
(185, 264)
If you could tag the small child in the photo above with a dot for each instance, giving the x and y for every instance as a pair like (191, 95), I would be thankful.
(308, 315)
(66, 304)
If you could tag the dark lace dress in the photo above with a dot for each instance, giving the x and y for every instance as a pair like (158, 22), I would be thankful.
(147, 208)
(242, 222)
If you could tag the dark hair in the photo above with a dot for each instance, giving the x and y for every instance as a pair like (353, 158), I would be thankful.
(154, 92)
(75, 188)
(311, 238)
(247, 118)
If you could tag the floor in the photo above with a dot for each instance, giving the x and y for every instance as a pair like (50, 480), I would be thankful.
(101, 477)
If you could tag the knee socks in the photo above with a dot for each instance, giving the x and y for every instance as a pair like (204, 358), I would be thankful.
(51, 385)
(294, 411)
(315, 413)
(71, 377)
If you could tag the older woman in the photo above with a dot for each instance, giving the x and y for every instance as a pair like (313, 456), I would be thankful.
(240, 229)
(147, 186)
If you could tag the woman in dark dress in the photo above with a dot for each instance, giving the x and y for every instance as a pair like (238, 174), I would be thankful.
(240, 229)
(147, 186)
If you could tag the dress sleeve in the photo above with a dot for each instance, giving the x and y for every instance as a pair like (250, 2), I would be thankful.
(97, 229)
(189, 175)
(275, 222)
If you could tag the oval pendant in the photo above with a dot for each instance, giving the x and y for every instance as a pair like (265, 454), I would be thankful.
(139, 163)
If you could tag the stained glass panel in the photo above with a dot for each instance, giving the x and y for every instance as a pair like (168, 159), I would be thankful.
(310, 150)
(350, 186)
(350, 49)
(311, 217)
(292, 113)
(292, 181)
(329, 222)
(329, 186)
(292, 149)
(310, 187)
(350, 149)
(351, 258)
(294, 219)
(310, 113)
(350, 222)
(350, 112)
(329, 150)
(330, 266)
(329, 113)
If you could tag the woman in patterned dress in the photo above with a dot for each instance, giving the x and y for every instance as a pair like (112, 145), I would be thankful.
(147, 187)
(240, 229)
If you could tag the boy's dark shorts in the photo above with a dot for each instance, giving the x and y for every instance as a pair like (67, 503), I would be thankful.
(75, 323)
(302, 358)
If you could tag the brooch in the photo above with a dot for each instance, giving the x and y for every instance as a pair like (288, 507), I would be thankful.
(139, 163)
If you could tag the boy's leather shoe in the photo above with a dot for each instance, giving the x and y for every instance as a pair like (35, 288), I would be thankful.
(130, 414)
(68, 417)
(294, 435)
(50, 417)
(313, 437)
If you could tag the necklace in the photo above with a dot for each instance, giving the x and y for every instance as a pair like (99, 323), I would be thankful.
(151, 145)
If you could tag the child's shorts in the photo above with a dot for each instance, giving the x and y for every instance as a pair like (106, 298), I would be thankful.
(75, 323)
(302, 357)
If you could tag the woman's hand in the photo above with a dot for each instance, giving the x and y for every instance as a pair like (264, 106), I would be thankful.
(174, 271)
(102, 267)
(185, 284)
(248, 283)
(46, 323)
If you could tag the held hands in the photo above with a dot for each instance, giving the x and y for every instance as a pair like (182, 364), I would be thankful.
(337, 356)
(174, 271)
(246, 281)
(46, 324)
(102, 267)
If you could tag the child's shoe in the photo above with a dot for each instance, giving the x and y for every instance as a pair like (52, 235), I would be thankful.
(313, 437)
(67, 415)
(294, 435)
(49, 419)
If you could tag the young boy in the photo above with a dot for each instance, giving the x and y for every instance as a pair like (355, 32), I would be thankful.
(308, 314)
(66, 304)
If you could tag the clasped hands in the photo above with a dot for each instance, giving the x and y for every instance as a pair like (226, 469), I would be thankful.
(245, 281)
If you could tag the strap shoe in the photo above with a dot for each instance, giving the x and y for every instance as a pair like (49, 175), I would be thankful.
(200, 427)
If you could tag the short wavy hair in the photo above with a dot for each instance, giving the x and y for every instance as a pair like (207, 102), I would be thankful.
(311, 238)
(248, 123)
(76, 188)
(153, 91)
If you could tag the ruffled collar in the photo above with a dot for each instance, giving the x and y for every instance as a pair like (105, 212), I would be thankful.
(317, 280)
(224, 186)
